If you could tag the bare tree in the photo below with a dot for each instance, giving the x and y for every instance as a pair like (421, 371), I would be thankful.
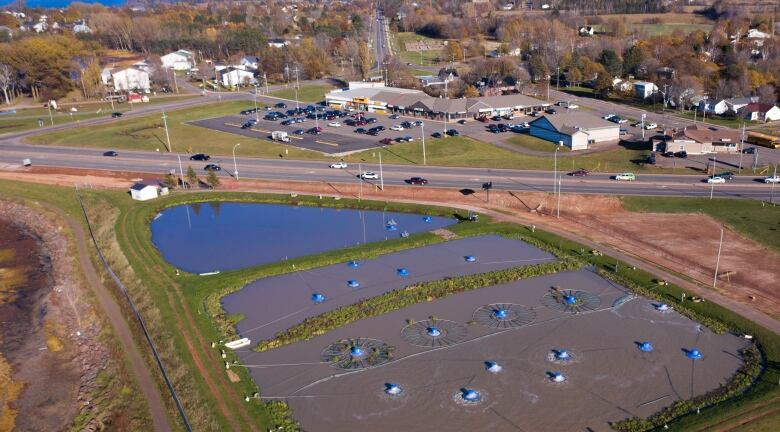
(7, 77)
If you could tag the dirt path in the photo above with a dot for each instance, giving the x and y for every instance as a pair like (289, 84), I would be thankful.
(121, 329)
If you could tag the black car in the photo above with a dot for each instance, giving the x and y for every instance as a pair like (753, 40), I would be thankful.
(111, 153)
(372, 132)
(246, 125)
(406, 124)
(502, 127)
(298, 132)
(669, 154)
(452, 132)
(360, 130)
(681, 154)
(212, 167)
(200, 157)
(650, 159)
(116, 114)
(728, 175)
(417, 181)
(550, 111)
(461, 121)
(395, 116)
(281, 105)
(371, 120)
(749, 150)
(436, 135)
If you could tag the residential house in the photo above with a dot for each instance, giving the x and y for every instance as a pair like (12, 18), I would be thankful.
(178, 60)
(143, 192)
(735, 104)
(278, 43)
(575, 129)
(587, 31)
(697, 139)
(665, 72)
(250, 62)
(81, 27)
(232, 76)
(622, 85)
(760, 112)
(135, 77)
(644, 89)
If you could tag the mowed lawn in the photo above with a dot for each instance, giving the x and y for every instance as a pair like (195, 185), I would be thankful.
(752, 218)
(311, 93)
(147, 134)
(27, 118)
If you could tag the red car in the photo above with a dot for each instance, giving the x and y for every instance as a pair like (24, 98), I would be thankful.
(579, 173)
(386, 141)
(417, 181)
(484, 119)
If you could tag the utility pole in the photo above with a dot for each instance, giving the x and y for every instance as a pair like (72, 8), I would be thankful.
(181, 171)
(555, 165)
(772, 193)
(235, 165)
(741, 148)
(167, 136)
(717, 263)
(422, 129)
(297, 86)
(381, 176)
(175, 84)
(360, 180)
(712, 177)
(558, 206)
(557, 78)
(643, 126)
(257, 116)
(446, 92)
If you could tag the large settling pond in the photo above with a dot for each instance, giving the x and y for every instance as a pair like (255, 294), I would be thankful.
(206, 237)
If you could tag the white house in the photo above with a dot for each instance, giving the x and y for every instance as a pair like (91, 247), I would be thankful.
(250, 62)
(278, 43)
(576, 129)
(178, 60)
(81, 28)
(587, 31)
(132, 78)
(760, 112)
(621, 85)
(143, 192)
(644, 89)
(232, 76)
(736, 104)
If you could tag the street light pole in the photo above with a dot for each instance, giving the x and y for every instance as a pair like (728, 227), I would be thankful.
(167, 136)
(235, 165)
(558, 206)
(181, 171)
(555, 165)
(422, 129)
(643, 126)
(257, 116)
(381, 176)
(712, 181)
(741, 148)
(717, 263)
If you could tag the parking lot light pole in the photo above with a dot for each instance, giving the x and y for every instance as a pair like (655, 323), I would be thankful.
(167, 136)
(257, 116)
(717, 262)
(422, 128)
(712, 177)
(555, 165)
(741, 148)
(381, 176)
(235, 165)
(558, 206)
(643, 126)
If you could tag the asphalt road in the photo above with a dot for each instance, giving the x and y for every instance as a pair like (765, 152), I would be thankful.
(453, 177)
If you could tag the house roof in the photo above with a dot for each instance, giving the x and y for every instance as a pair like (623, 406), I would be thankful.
(709, 134)
(140, 186)
(758, 107)
(576, 120)
(739, 101)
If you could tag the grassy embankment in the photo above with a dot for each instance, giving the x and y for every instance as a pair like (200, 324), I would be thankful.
(27, 118)
(754, 219)
(310, 93)
(116, 391)
(424, 58)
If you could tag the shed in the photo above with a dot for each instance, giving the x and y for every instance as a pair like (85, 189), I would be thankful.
(143, 192)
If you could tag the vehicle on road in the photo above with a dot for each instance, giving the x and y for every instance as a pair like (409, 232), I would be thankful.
(452, 132)
(579, 173)
(461, 122)
(419, 123)
(608, 116)
(436, 135)
(715, 180)
(617, 119)
(772, 179)
(246, 125)
(339, 165)
(406, 124)
(726, 175)
(369, 175)
(650, 126)
(298, 132)
(334, 124)
(314, 131)
(763, 139)
(280, 136)
(397, 128)
(111, 153)
(200, 157)
(386, 141)
(681, 154)
(212, 167)
(749, 150)
(625, 177)
(116, 114)
(417, 181)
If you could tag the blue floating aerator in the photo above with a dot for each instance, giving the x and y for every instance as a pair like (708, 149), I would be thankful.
(470, 258)
(433, 331)
(493, 367)
(646, 346)
(427, 219)
(391, 227)
(402, 271)
(353, 264)
(562, 355)
(317, 298)
(470, 395)
(569, 299)
(353, 283)
(500, 313)
(356, 351)
(392, 389)
(693, 354)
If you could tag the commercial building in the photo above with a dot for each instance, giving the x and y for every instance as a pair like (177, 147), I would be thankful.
(697, 139)
(576, 129)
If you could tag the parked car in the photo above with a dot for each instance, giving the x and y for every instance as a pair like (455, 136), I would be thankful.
(334, 124)
(715, 179)
(360, 130)
(116, 114)
(281, 105)
(417, 181)
(314, 131)
(483, 119)
(669, 154)
(395, 116)
(339, 165)
(111, 153)
(372, 132)
(579, 173)
(371, 120)
(452, 132)
(212, 167)
(408, 138)
(608, 116)
(368, 175)
(397, 128)
(772, 179)
(625, 177)
(406, 125)
(200, 157)
(386, 141)
(681, 154)
(298, 132)
(650, 126)
(550, 111)
(419, 123)
(436, 135)
(461, 122)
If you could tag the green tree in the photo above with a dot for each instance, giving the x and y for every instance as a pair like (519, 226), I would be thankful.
(212, 179)
(632, 59)
(603, 84)
(611, 62)
(192, 178)
(364, 59)
(170, 181)
(537, 67)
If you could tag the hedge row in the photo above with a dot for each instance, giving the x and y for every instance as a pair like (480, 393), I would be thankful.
(401, 298)
(742, 379)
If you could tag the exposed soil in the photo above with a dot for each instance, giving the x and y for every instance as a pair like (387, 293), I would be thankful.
(50, 335)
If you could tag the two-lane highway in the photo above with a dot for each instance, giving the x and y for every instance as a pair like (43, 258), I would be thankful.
(451, 177)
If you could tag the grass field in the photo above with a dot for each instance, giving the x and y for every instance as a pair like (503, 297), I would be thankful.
(426, 58)
(750, 217)
(27, 118)
(669, 28)
(715, 120)
(312, 93)
(536, 144)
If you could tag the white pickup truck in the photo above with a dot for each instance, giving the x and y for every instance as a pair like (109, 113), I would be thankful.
(280, 136)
